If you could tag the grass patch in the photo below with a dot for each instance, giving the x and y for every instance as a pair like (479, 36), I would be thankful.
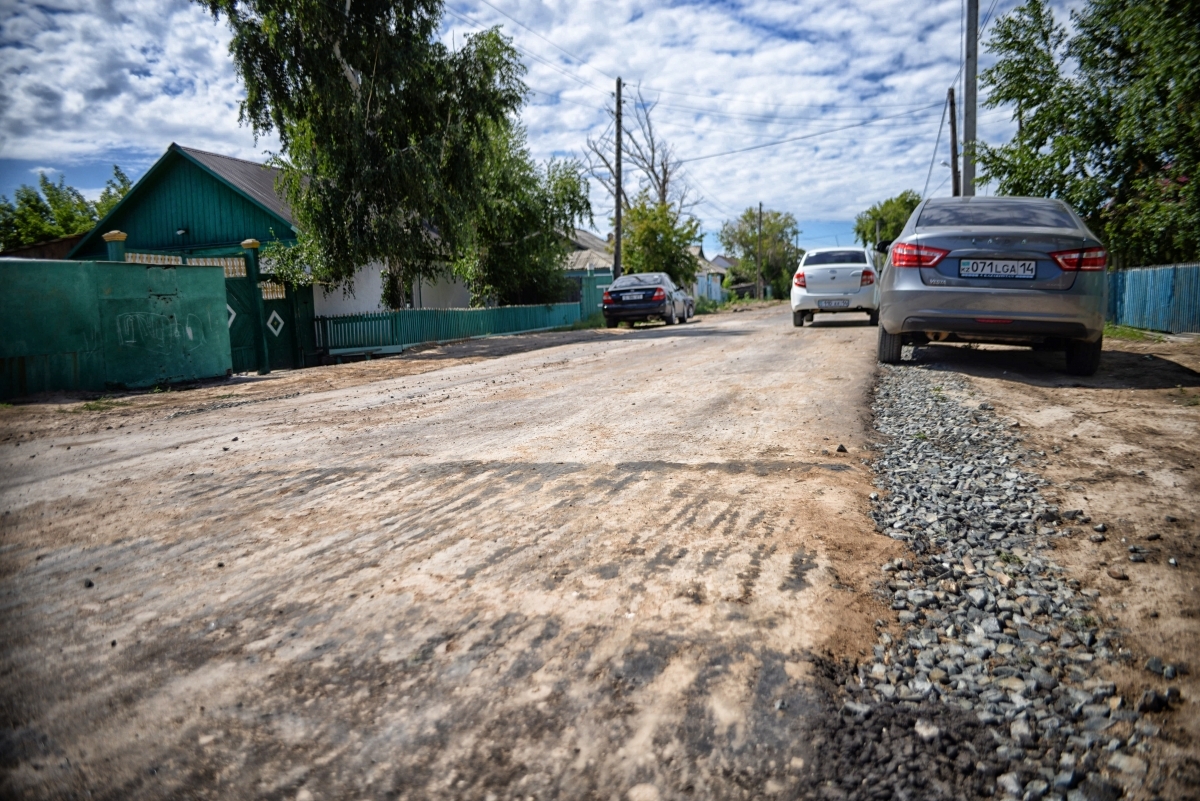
(1131, 334)
(594, 320)
(921, 435)
(1192, 401)
(1083, 622)
(5, 405)
(707, 306)
(102, 404)
(1009, 558)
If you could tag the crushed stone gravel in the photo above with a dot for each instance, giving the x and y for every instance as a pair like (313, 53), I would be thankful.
(992, 688)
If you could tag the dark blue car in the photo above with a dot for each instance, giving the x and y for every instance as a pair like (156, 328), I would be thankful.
(641, 297)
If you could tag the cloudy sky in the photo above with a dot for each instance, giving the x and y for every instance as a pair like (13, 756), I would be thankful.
(85, 84)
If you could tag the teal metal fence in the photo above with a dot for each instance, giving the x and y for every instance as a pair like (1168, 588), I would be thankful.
(1163, 298)
(394, 331)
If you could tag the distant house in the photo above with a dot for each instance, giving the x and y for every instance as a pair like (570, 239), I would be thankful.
(53, 249)
(709, 276)
(591, 254)
(192, 204)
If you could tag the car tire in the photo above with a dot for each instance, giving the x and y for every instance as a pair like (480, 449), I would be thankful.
(798, 319)
(874, 318)
(1083, 358)
(890, 347)
(672, 319)
(610, 323)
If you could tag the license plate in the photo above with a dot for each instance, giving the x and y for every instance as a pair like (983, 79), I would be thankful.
(633, 296)
(833, 304)
(991, 268)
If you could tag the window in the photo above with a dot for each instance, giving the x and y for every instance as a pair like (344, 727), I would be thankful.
(1024, 213)
(638, 279)
(835, 257)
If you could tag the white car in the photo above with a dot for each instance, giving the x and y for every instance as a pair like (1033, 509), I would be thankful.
(831, 280)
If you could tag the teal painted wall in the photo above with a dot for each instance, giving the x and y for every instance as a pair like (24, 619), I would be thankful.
(182, 195)
(72, 325)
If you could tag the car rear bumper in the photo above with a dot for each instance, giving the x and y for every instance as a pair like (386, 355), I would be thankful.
(865, 299)
(638, 311)
(995, 314)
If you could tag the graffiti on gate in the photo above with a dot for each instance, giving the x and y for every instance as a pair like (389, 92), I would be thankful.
(159, 333)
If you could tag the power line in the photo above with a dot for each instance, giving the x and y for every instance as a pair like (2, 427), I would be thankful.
(805, 136)
(936, 143)
(547, 41)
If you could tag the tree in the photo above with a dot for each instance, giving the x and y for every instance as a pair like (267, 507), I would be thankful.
(519, 240)
(780, 255)
(891, 214)
(1118, 136)
(54, 210)
(383, 128)
(657, 238)
(646, 152)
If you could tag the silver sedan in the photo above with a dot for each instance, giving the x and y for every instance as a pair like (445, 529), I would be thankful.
(1010, 270)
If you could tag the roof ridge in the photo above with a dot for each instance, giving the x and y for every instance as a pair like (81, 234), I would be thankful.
(223, 156)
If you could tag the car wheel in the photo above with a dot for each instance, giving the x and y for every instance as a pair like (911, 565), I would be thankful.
(1083, 358)
(798, 319)
(610, 323)
(890, 347)
(874, 319)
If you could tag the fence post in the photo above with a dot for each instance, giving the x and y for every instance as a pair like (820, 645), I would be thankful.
(115, 241)
(260, 321)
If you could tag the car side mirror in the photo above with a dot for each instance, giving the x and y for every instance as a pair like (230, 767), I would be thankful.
(882, 247)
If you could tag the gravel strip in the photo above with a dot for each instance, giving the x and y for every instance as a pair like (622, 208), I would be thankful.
(991, 689)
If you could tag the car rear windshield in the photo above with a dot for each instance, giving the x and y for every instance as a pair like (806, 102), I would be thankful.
(637, 279)
(835, 257)
(1024, 214)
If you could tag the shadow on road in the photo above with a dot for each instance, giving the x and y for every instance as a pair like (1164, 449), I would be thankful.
(1118, 369)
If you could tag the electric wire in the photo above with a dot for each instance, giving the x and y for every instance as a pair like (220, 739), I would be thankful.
(936, 143)
(805, 136)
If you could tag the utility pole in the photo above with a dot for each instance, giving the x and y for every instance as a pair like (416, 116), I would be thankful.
(969, 99)
(617, 192)
(876, 242)
(758, 261)
(957, 190)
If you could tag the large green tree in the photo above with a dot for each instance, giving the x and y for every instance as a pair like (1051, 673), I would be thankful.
(1108, 119)
(381, 124)
(891, 214)
(780, 255)
(517, 246)
(52, 210)
(657, 237)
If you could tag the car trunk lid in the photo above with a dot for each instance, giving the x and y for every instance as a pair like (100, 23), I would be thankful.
(1000, 259)
(833, 279)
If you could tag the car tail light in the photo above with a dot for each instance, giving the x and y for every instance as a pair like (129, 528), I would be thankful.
(659, 294)
(1087, 259)
(607, 297)
(799, 280)
(868, 278)
(906, 254)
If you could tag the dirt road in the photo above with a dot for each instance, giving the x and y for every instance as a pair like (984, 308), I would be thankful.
(596, 565)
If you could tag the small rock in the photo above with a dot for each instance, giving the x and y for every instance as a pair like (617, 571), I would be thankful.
(842, 449)
(88, 583)
(1137, 557)
(978, 597)
(1172, 562)
(926, 730)
(985, 406)
(1155, 665)
(1095, 789)
(1151, 702)
(1168, 672)
(1100, 527)
(1035, 790)
(1009, 783)
(1128, 764)
(1153, 537)
(1097, 538)
(1171, 518)
(1021, 733)
(1117, 573)
(234, 439)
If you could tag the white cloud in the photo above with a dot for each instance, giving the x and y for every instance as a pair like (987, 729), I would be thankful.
(81, 79)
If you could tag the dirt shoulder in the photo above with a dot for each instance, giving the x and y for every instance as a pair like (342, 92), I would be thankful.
(1122, 447)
